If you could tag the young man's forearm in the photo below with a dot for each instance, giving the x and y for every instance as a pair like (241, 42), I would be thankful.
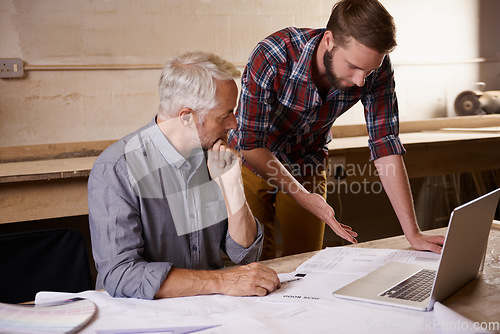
(269, 167)
(394, 178)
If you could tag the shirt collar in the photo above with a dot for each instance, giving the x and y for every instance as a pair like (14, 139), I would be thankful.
(170, 154)
(302, 68)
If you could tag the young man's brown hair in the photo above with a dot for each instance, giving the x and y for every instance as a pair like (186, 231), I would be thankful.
(367, 21)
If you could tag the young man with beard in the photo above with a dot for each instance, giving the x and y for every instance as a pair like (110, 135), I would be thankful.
(164, 200)
(297, 82)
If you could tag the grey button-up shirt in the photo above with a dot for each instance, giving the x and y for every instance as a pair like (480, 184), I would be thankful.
(151, 209)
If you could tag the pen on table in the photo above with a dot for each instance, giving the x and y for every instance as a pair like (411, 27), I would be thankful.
(297, 277)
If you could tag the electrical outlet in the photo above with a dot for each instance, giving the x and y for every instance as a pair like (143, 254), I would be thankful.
(11, 68)
(337, 168)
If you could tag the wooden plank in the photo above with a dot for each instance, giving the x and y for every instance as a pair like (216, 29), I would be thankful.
(462, 156)
(94, 148)
(46, 169)
(428, 154)
(479, 121)
(446, 135)
(53, 151)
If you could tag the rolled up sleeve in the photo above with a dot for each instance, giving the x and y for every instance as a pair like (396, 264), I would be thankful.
(382, 114)
(241, 255)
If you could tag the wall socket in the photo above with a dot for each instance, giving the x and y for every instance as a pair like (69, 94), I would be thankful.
(11, 68)
(337, 168)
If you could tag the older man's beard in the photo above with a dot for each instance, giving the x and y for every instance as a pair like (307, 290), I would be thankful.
(207, 140)
(328, 62)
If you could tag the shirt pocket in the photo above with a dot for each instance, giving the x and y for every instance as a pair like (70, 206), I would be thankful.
(300, 122)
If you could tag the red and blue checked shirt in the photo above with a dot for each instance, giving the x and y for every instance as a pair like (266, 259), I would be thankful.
(280, 107)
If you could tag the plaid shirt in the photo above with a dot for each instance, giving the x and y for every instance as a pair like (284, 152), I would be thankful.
(280, 107)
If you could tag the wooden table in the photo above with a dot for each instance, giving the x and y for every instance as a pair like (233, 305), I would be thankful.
(32, 190)
(429, 153)
(50, 181)
(477, 301)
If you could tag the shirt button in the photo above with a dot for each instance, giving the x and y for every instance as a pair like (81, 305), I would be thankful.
(194, 248)
(191, 215)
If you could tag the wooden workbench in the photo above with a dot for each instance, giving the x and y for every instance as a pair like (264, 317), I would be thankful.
(50, 181)
(445, 146)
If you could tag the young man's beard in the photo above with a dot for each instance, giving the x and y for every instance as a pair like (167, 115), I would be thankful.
(328, 62)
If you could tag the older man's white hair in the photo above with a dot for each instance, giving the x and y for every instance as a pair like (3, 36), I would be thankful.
(190, 81)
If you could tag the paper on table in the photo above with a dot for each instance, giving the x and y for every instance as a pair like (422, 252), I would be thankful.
(247, 315)
(228, 314)
(333, 268)
(319, 314)
(315, 286)
(65, 316)
(171, 330)
(361, 261)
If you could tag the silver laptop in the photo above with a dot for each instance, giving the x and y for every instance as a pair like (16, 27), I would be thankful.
(416, 287)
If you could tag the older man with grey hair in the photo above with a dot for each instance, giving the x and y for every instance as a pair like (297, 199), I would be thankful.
(165, 199)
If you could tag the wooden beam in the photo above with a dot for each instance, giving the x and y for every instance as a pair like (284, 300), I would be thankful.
(46, 169)
(53, 151)
(464, 122)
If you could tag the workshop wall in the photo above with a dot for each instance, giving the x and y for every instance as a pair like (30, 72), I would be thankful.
(70, 94)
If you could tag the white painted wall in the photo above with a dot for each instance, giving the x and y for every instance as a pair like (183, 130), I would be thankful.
(437, 41)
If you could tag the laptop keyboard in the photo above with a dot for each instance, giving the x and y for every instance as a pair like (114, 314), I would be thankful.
(415, 288)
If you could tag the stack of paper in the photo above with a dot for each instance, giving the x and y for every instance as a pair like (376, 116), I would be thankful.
(67, 316)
